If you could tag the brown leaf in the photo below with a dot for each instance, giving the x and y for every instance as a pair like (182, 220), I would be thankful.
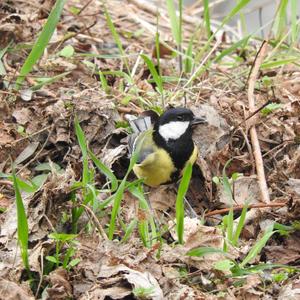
(60, 287)
(11, 291)
(23, 115)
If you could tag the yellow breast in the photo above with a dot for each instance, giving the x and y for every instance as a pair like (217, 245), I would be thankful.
(158, 167)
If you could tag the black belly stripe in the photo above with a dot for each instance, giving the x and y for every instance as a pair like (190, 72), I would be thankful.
(180, 150)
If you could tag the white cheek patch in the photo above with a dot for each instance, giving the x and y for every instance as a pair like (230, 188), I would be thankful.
(173, 130)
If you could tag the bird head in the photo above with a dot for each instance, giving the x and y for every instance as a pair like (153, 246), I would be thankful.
(176, 122)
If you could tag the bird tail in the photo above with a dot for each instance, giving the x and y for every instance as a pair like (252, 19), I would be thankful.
(139, 125)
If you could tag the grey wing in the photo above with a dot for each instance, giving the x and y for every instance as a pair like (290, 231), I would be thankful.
(131, 142)
(138, 125)
(145, 146)
(143, 154)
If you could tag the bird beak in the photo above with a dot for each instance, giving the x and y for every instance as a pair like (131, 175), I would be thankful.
(197, 121)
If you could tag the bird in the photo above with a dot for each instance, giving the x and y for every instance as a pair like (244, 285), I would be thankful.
(164, 148)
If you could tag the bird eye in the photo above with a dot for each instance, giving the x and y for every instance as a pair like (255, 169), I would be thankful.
(179, 118)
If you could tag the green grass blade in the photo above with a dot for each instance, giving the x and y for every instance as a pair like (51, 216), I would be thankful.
(116, 207)
(188, 61)
(138, 192)
(174, 21)
(120, 191)
(105, 170)
(268, 266)
(243, 22)
(157, 48)
(229, 228)
(153, 71)
(207, 17)
(23, 185)
(49, 81)
(157, 78)
(104, 83)
(129, 230)
(279, 63)
(143, 226)
(240, 5)
(180, 4)
(280, 22)
(240, 226)
(294, 23)
(86, 174)
(201, 251)
(81, 138)
(226, 183)
(22, 224)
(241, 43)
(255, 250)
(116, 38)
(42, 41)
(119, 74)
(183, 187)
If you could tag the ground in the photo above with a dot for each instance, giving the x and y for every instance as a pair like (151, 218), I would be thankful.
(63, 132)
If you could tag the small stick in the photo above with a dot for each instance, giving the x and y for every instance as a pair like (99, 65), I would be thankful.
(252, 114)
(128, 110)
(84, 7)
(30, 135)
(253, 134)
(96, 222)
(240, 207)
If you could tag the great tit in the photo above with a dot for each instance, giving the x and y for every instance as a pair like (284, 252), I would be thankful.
(163, 149)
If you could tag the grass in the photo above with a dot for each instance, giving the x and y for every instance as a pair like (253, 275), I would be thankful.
(183, 187)
(240, 5)
(22, 224)
(42, 41)
(63, 258)
(116, 38)
(156, 76)
(207, 18)
(86, 178)
(242, 268)
(295, 25)
(146, 222)
(280, 21)
(228, 225)
(176, 26)
(175, 21)
(45, 81)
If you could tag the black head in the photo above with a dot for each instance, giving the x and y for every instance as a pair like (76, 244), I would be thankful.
(176, 123)
(179, 114)
(176, 114)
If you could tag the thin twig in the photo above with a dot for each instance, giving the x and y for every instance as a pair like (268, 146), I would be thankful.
(96, 221)
(41, 273)
(84, 7)
(253, 134)
(251, 115)
(30, 135)
(240, 207)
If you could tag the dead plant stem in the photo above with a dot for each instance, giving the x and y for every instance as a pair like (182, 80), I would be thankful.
(253, 133)
(240, 207)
